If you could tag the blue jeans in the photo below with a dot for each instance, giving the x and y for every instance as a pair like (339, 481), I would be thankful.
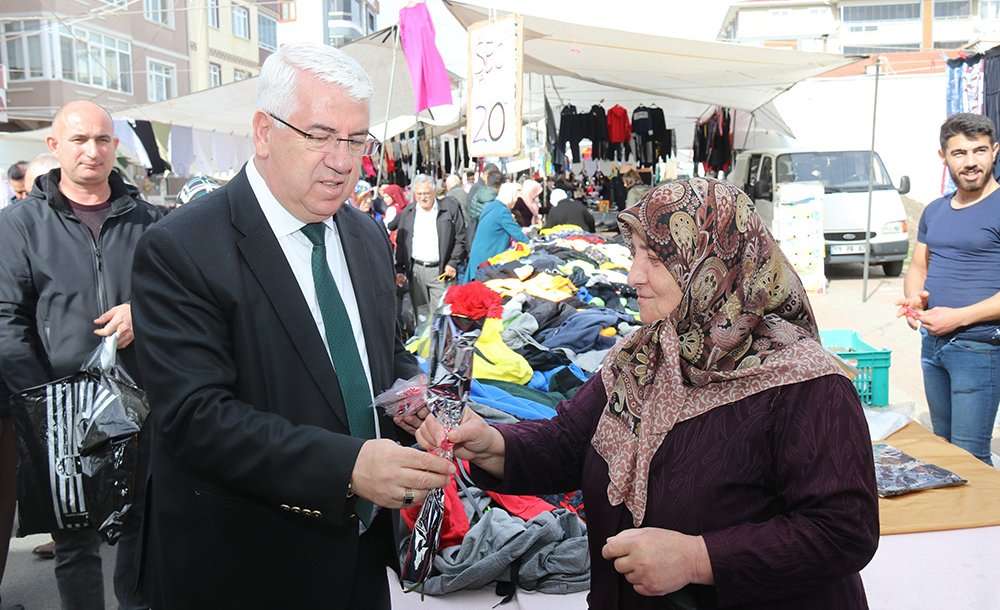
(962, 384)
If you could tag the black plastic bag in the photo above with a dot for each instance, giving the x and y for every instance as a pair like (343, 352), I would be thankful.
(78, 445)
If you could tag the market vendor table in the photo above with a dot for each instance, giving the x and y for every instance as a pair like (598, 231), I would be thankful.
(923, 570)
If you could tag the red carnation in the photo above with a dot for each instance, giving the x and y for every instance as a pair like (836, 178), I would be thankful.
(474, 300)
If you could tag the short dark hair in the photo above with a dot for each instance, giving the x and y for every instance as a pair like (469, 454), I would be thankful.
(494, 180)
(470, 174)
(16, 171)
(967, 124)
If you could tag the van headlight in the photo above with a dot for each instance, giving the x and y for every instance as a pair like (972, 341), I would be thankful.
(895, 227)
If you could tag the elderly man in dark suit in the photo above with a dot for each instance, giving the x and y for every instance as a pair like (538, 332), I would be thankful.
(430, 246)
(265, 319)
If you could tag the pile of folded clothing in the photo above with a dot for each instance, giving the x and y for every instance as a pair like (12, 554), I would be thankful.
(565, 303)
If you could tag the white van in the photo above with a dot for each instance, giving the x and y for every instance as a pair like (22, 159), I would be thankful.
(845, 204)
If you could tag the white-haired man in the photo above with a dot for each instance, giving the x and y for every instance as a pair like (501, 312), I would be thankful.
(267, 313)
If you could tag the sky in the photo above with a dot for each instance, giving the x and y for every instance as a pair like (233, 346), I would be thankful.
(699, 19)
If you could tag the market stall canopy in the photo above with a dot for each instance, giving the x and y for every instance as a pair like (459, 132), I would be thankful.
(228, 108)
(716, 73)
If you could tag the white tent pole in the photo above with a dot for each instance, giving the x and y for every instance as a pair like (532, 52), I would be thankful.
(871, 176)
(388, 105)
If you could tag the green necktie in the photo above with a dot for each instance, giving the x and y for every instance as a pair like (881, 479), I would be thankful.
(343, 349)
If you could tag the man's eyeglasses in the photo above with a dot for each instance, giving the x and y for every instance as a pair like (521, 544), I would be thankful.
(327, 142)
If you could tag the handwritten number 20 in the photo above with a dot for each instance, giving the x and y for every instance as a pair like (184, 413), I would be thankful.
(487, 121)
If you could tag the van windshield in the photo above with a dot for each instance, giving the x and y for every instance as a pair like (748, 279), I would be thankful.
(840, 171)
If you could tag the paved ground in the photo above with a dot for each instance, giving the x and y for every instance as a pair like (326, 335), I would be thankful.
(31, 582)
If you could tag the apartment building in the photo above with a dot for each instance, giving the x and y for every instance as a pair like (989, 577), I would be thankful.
(855, 27)
(118, 53)
(230, 39)
(332, 22)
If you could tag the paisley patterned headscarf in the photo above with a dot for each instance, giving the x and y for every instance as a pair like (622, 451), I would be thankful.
(743, 325)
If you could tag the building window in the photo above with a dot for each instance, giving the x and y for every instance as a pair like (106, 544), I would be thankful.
(881, 12)
(240, 74)
(241, 22)
(213, 13)
(159, 11)
(286, 10)
(952, 9)
(989, 9)
(338, 10)
(888, 48)
(160, 81)
(371, 22)
(22, 49)
(267, 32)
(92, 58)
(214, 75)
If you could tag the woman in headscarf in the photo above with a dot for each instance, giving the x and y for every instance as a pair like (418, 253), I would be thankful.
(525, 209)
(395, 202)
(496, 228)
(723, 456)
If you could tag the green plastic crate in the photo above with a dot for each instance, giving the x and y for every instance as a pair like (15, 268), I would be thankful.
(872, 381)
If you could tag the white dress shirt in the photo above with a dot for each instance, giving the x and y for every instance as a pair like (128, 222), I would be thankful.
(298, 252)
(425, 235)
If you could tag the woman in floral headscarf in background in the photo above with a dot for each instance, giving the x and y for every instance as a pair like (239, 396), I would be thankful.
(723, 457)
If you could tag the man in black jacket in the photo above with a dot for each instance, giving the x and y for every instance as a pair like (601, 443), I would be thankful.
(65, 282)
(566, 211)
(265, 314)
(430, 246)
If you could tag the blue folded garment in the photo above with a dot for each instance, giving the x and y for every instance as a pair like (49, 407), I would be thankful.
(520, 408)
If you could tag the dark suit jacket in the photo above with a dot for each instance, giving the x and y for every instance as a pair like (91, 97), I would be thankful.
(453, 246)
(570, 212)
(246, 506)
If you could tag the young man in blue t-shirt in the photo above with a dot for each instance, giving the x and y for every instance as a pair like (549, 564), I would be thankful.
(952, 289)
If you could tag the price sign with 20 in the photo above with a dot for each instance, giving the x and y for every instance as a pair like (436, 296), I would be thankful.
(493, 121)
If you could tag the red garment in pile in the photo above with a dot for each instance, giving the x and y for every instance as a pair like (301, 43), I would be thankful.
(455, 525)
(619, 126)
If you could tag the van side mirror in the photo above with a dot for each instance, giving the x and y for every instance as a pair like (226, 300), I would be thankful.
(904, 185)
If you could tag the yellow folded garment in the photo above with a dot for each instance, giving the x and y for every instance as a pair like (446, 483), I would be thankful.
(507, 287)
(518, 251)
(420, 345)
(494, 360)
(546, 286)
(610, 331)
(559, 229)
(524, 272)
(550, 287)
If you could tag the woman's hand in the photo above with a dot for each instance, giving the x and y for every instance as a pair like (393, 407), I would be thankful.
(657, 561)
(473, 440)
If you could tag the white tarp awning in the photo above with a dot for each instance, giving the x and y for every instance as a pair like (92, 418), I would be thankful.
(228, 108)
(659, 67)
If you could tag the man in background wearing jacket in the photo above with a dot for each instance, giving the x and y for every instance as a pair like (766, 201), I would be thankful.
(65, 283)
(430, 247)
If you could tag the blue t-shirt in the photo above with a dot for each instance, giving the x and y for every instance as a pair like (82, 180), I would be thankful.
(964, 258)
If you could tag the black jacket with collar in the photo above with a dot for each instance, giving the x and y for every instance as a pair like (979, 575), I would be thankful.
(452, 241)
(570, 212)
(251, 449)
(55, 279)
